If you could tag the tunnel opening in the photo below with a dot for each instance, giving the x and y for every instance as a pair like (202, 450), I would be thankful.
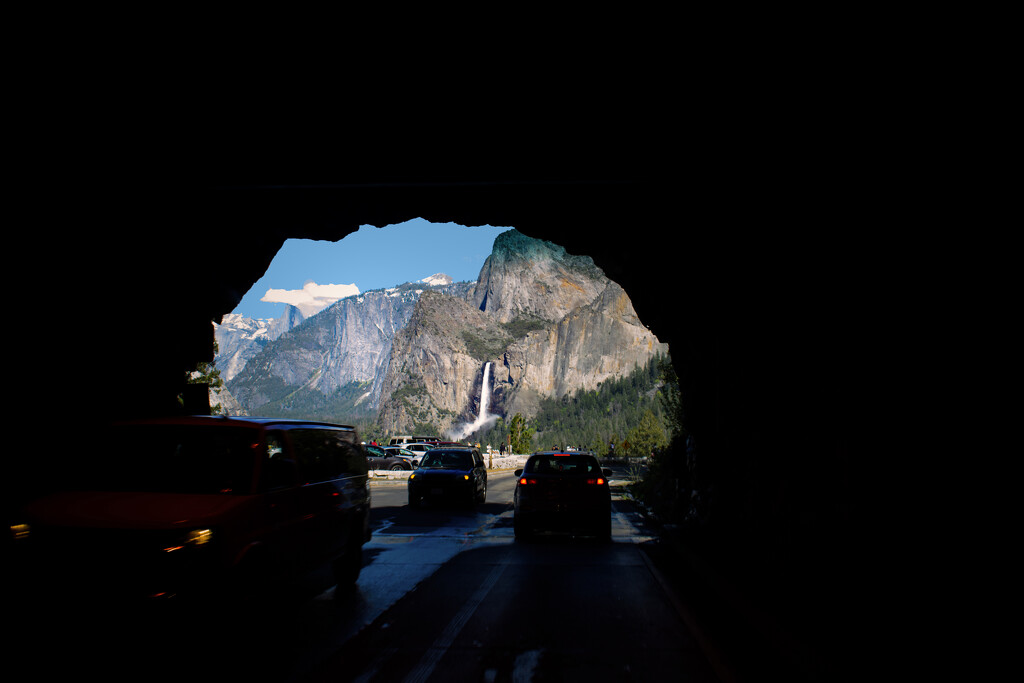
(766, 340)
(386, 266)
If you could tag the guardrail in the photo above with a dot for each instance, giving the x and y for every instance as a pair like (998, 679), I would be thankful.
(504, 462)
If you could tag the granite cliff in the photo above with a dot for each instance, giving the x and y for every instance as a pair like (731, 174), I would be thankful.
(341, 349)
(550, 323)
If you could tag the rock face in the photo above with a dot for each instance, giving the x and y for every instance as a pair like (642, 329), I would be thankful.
(348, 342)
(550, 323)
(240, 338)
(437, 363)
(526, 278)
(592, 343)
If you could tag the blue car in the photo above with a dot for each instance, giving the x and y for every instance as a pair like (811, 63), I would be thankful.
(449, 474)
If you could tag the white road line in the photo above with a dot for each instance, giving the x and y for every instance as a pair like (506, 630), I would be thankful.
(711, 652)
(525, 665)
(426, 666)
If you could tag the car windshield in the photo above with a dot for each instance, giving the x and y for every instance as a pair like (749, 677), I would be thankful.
(447, 460)
(171, 459)
(562, 464)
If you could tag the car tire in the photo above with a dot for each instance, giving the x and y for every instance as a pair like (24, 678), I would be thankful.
(522, 532)
(414, 501)
(396, 467)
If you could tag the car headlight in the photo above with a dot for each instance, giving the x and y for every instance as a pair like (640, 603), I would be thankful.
(20, 532)
(198, 537)
(195, 538)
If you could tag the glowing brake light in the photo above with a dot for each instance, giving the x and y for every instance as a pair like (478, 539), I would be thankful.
(599, 481)
(524, 481)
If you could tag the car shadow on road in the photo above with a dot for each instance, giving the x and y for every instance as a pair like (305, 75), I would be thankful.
(431, 515)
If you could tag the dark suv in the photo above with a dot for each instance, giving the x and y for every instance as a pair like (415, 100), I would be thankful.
(206, 506)
(449, 473)
(562, 491)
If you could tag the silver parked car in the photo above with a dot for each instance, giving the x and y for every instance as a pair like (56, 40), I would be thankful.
(398, 452)
(417, 450)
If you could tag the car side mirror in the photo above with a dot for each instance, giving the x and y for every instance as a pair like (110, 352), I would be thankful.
(519, 473)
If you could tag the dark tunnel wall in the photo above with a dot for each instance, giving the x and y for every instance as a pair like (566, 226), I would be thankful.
(758, 301)
(757, 287)
(759, 290)
(758, 296)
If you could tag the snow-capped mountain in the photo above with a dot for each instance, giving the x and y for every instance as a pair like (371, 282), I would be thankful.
(240, 338)
(436, 280)
(347, 343)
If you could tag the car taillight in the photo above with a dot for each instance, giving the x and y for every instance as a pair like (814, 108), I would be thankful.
(524, 481)
(599, 481)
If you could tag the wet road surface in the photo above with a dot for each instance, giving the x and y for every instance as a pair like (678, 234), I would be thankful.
(445, 594)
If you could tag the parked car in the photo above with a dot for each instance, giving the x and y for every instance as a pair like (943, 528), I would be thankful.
(203, 507)
(418, 449)
(399, 440)
(398, 452)
(378, 458)
(562, 492)
(449, 474)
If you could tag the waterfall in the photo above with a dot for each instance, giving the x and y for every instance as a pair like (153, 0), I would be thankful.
(483, 416)
(485, 396)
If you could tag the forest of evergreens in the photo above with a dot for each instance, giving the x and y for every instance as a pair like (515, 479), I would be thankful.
(629, 412)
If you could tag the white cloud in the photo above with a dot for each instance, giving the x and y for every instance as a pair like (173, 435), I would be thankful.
(312, 298)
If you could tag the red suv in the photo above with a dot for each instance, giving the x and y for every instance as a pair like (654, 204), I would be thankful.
(203, 506)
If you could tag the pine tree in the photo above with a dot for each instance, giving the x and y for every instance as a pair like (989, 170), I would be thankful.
(206, 373)
(647, 435)
(521, 436)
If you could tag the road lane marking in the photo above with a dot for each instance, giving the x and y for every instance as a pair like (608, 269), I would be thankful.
(525, 665)
(712, 653)
(421, 672)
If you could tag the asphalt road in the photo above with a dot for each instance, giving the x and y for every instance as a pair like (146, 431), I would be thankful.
(445, 594)
(497, 610)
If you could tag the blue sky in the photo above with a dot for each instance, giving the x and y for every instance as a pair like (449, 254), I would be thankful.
(370, 258)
